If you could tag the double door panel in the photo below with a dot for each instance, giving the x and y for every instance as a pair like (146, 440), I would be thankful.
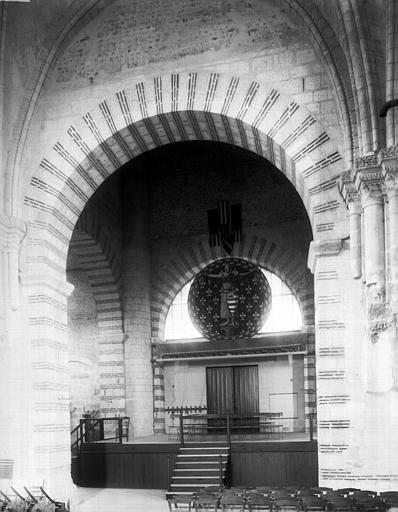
(233, 390)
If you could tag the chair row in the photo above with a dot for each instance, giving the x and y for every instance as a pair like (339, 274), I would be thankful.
(32, 501)
(289, 499)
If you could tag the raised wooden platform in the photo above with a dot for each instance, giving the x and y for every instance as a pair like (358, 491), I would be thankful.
(144, 466)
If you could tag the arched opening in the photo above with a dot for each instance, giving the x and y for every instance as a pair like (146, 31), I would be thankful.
(90, 100)
(151, 217)
(75, 171)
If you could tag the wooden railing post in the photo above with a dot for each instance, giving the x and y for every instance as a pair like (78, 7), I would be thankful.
(228, 431)
(102, 435)
(181, 430)
(168, 474)
(81, 422)
(311, 426)
(120, 429)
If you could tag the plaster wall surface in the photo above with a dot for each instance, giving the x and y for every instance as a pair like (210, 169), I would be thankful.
(280, 386)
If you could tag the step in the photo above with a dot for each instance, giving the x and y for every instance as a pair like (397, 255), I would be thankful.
(196, 471)
(196, 480)
(194, 453)
(198, 460)
(205, 444)
(198, 474)
(210, 463)
(202, 456)
(195, 487)
(199, 465)
(205, 448)
(171, 494)
(213, 453)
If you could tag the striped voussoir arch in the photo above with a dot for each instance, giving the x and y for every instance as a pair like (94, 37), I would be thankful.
(286, 264)
(89, 224)
(179, 107)
(106, 294)
(151, 113)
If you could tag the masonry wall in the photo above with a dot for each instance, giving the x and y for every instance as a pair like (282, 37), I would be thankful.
(281, 386)
(83, 336)
(186, 181)
(189, 179)
(59, 61)
(255, 41)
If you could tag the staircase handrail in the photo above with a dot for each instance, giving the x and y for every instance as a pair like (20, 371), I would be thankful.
(228, 431)
(77, 443)
(168, 474)
(220, 482)
(181, 430)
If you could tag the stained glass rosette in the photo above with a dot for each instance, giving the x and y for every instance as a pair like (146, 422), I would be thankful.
(229, 299)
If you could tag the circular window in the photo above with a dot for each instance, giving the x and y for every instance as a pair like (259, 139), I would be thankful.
(229, 299)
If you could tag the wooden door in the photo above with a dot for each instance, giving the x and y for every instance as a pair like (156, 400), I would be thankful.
(233, 390)
(220, 384)
(245, 390)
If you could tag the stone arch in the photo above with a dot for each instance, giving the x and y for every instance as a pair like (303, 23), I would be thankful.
(286, 264)
(80, 15)
(191, 106)
(106, 294)
(155, 112)
(89, 225)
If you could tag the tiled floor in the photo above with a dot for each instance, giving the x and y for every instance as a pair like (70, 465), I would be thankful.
(118, 500)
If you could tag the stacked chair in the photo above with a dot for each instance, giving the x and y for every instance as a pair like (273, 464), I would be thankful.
(286, 499)
(29, 501)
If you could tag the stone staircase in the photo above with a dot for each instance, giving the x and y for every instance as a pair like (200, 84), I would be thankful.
(197, 466)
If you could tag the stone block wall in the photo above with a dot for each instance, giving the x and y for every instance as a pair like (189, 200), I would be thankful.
(83, 336)
(86, 87)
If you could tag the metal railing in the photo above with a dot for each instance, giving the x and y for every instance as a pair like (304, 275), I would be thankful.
(231, 427)
(92, 430)
(185, 409)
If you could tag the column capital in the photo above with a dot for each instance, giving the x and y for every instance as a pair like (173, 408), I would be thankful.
(349, 192)
(12, 232)
(323, 248)
(388, 158)
(54, 281)
(389, 154)
(369, 180)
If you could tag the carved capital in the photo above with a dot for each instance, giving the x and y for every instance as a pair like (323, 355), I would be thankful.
(371, 192)
(323, 248)
(379, 313)
(391, 182)
(54, 281)
(390, 166)
(349, 192)
(387, 153)
(12, 232)
(369, 180)
(381, 324)
(367, 161)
